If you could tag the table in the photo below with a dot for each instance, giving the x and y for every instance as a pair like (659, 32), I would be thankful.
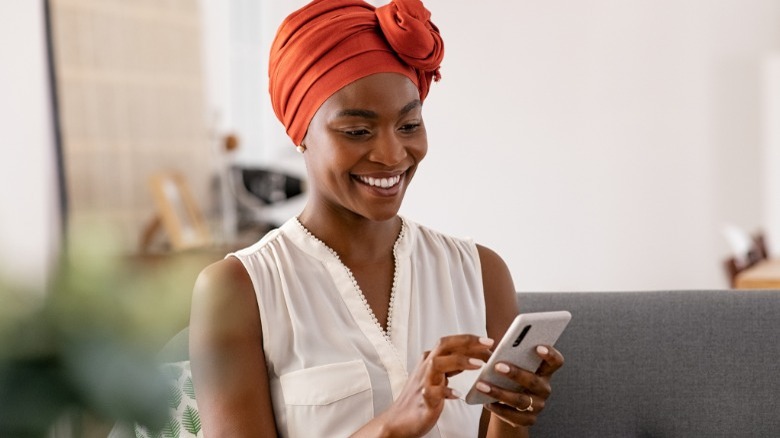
(763, 275)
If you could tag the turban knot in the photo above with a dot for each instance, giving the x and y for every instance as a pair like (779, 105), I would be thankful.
(329, 44)
(407, 26)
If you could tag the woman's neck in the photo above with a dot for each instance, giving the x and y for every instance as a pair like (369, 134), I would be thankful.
(354, 238)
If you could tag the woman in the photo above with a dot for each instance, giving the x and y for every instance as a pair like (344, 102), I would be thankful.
(349, 320)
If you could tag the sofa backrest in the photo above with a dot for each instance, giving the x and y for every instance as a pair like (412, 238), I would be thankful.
(664, 364)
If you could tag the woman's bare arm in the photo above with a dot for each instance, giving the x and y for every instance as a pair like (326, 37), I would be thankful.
(226, 353)
(516, 409)
(501, 309)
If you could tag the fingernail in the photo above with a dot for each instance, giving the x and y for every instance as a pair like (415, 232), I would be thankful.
(542, 350)
(476, 362)
(482, 387)
(456, 393)
(486, 341)
(502, 368)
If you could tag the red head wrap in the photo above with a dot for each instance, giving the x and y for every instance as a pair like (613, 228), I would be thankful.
(329, 44)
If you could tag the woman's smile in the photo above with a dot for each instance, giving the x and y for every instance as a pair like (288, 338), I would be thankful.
(381, 184)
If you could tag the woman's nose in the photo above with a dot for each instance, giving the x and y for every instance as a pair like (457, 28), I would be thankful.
(389, 150)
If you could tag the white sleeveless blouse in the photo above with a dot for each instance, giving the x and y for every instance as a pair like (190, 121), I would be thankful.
(331, 366)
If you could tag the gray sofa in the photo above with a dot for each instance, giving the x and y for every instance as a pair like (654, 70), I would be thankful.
(664, 364)
(680, 364)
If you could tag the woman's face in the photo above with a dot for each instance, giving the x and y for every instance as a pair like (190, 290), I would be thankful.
(363, 146)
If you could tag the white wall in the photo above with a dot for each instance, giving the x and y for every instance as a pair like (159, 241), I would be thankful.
(28, 208)
(771, 152)
(599, 144)
(238, 37)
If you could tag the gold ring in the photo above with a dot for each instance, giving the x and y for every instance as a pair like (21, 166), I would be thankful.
(530, 407)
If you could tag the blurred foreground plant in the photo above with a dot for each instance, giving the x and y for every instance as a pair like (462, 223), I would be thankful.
(89, 342)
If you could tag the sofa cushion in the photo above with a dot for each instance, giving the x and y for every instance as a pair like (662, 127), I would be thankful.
(664, 364)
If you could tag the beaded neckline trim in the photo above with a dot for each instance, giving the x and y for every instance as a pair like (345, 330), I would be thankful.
(401, 234)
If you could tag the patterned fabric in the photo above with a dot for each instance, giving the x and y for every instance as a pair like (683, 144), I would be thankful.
(184, 420)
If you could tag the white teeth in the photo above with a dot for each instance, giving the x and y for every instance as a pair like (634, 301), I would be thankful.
(381, 182)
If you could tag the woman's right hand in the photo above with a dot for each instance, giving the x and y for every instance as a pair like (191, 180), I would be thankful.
(422, 399)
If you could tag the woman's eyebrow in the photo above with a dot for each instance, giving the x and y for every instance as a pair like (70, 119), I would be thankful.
(410, 106)
(368, 114)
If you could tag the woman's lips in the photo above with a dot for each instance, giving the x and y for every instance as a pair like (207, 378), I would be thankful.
(382, 183)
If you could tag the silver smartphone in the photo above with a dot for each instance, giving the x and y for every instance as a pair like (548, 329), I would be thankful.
(518, 347)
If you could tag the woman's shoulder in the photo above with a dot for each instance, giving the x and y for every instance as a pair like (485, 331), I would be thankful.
(489, 258)
(226, 274)
(223, 297)
(499, 290)
(427, 235)
(268, 240)
(497, 284)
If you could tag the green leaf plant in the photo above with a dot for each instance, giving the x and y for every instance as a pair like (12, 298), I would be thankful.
(89, 341)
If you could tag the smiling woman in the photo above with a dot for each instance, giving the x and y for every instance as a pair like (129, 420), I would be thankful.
(349, 319)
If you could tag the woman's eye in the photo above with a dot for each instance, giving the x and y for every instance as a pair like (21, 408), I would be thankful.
(410, 127)
(357, 132)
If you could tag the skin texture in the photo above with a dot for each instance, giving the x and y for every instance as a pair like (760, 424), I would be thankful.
(371, 128)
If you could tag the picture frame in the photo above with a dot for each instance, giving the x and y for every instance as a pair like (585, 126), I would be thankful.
(178, 213)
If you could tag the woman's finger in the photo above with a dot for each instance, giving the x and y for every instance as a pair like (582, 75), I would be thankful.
(445, 365)
(520, 401)
(552, 360)
(454, 354)
(533, 383)
(464, 343)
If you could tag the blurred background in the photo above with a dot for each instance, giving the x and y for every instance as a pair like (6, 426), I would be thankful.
(599, 145)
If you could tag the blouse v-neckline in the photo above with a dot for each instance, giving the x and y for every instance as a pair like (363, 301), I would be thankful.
(391, 345)
(388, 330)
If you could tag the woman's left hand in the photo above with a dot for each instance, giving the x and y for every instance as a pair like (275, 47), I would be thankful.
(521, 408)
